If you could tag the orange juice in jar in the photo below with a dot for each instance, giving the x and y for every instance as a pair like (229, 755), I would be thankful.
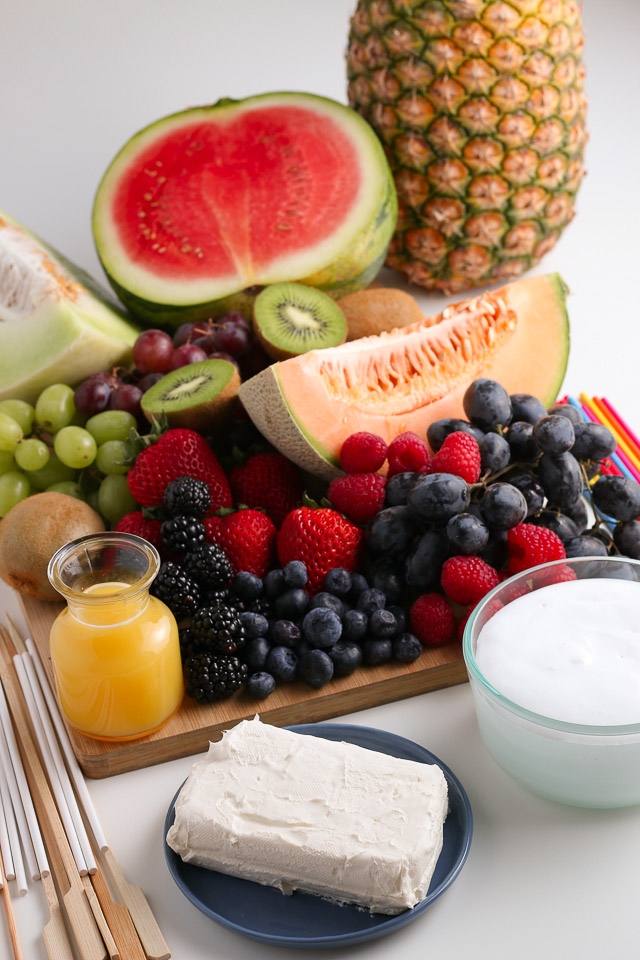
(114, 648)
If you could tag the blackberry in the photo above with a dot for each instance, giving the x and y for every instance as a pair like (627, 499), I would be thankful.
(187, 497)
(209, 565)
(221, 595)
(182, 533)
(217, 630)
(175, 588)
(212, 678)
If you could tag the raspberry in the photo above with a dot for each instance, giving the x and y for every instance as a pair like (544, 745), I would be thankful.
(360, 496)
(530, 545)
(363, 453)
(408, 454)
(460, 455)
(467, 579)
(432, 621)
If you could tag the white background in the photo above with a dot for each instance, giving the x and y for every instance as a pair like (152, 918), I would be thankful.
(77, 79)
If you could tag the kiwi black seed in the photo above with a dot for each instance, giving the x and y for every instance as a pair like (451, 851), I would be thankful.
(198, 396)
(290, 319)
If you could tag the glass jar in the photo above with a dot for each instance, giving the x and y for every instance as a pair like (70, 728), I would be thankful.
(115, 649)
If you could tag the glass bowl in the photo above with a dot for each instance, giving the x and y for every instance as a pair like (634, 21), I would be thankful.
(583, 765)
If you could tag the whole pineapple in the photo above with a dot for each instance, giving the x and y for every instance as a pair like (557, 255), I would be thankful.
(481, 110)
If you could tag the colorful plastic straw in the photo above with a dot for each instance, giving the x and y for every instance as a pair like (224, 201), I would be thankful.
(623, 452)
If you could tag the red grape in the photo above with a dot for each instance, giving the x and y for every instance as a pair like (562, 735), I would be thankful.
(149, 381)
(234, 317)
(232, 338)
(183, 334)
(219, 355)
(206, 343)
(152, 351)
(127, 397)
(109, 377)
(187, 353)
(92, 397)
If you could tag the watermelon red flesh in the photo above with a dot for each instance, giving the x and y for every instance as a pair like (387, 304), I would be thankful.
(186, 206)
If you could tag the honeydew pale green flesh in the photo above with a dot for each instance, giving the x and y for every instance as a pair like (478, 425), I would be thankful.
(56, 326)
(405, 379)
(206, 204)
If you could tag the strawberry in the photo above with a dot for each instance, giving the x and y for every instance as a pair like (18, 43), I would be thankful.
(177, 453)
(248, 537)
(270, 481)
(141, 526)
(323, 539)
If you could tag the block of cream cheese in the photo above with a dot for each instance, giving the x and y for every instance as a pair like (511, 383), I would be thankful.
(303, 813)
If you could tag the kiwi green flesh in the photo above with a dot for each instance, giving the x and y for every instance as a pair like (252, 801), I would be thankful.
(188, 386)
(295, 318)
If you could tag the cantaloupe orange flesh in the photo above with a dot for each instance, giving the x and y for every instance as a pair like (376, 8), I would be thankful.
(405, 379)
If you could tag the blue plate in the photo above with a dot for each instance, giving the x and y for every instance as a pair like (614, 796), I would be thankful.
(302, 920)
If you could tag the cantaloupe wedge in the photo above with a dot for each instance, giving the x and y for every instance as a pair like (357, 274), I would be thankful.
(405, 379)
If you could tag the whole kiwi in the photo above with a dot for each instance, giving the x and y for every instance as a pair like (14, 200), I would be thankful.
(31, 533)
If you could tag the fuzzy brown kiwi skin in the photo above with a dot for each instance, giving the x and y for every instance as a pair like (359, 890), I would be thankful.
(277, 353)
(207, 416)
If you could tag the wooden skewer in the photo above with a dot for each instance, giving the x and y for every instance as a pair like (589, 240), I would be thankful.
(101, 920)
(119, 920)
(88, 939)
(8, 909)
(54, 932)
(155, 946)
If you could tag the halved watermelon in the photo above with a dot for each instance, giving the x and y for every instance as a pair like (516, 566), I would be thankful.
(202, 205)
(405, 379)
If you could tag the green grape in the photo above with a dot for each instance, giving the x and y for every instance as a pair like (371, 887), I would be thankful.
(115, 498)
(10, 433)
(93, 500)
(110, 425)
(23, 413)
(6, 462)
(69, 487)
(75, 447)
(110, 456)
(55, 408)
(32, 454)
(14, 487)
(53, 472)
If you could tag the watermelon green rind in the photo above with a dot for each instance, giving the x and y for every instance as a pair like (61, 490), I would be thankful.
(344, 262)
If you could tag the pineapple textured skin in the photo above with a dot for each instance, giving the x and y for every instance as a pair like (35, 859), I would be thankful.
(481, 111)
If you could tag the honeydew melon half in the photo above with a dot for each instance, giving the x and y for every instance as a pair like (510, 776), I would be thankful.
(56, 325)
(405, 379)
(204, 205)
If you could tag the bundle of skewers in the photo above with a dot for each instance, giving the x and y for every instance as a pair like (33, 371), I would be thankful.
(49, 827)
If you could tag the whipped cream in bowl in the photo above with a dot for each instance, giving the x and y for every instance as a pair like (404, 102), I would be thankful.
(553, 656)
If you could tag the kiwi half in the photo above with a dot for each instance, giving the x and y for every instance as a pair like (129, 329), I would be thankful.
(198, 396)
(290, 319)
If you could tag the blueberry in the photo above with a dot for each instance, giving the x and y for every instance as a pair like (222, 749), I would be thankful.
(338, 581)
(569, 411)
(315, 668)
(274, 583)
(370, 600)
(423, 564)
(407, 648)
(354, 625)
(522, 442)
(530, 489)
(503, 506)
(295, 574)
(291, 604)
(495, 452)
(527, 408)
(358, 585)
(554, 434)
(439, 430)
(247, 585)
(284, 633)
(585, 546)
(402, 618)
(627, 538)
(392, 530)
(385, 576)
(561, 479)
(329, 601)
(376, 651)
(260, 685)
(593, 441)
(303, 647)
(346, 656)
(578, 512)
(255, 625)
(282, 663)
(618, 497)
(255, 653)
(561, 525)
(466, 534)
(397, 489)
(382, 623)
(321, 627)
(439, 496)
(487, 404)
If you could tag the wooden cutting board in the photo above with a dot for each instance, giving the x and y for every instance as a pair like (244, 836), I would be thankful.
(194, 725)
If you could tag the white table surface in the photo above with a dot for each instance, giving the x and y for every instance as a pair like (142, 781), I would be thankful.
(76, 80)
